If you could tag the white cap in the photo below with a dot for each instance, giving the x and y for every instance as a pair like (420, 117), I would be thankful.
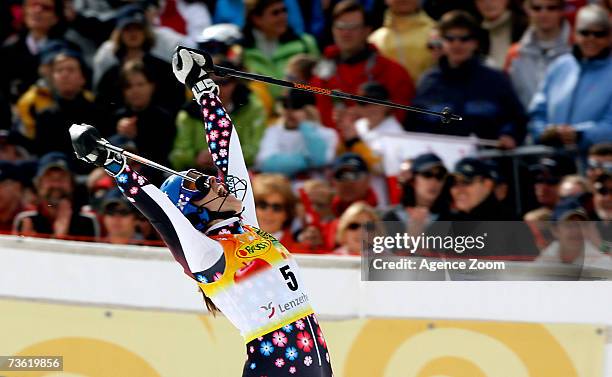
(592, 15)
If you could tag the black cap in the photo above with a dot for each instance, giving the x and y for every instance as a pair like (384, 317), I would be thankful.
(426, 161)
(349, 163)
(52, 48)
(471, 167)
(130, 14)
(297, 99)
(553, 167)
(8, 170)
(52, 160)
(567, 207)
(117, 204)
(373, 89)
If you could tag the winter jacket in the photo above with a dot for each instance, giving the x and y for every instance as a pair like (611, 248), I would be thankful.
(577, 92)
(348, 74)
(52, 126)
(248, 117)
(483, 96)
(35, 100)
(289, 44)
(528, 60)
(291, 151)
(502, 234)
(404, 39)
(232, 11)
(155, 131)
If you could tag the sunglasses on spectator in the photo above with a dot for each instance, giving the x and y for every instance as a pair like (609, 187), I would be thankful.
(434, 45)
(594, 164)
(347, 25)
(594, 33)
(279, 11)
(439, 175)
(550, 8)
(275, 207)
(603, 190)
(356, 226)
(460, 38)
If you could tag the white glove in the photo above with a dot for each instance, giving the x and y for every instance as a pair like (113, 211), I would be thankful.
(188, 67)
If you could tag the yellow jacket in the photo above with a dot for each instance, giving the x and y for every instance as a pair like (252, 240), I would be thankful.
(35, 100)
(404, 39)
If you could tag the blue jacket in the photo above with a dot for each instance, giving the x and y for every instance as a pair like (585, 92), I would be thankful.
(483, 96)
(579, 93)
(232, 11)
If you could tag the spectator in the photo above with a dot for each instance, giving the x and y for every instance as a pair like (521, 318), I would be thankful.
(269, 42)
(599, 161)
(300, 68)
(72, 104)
(120, 220)
(484, 97)
(297, 143)
(188, 17)
(163, 39)
(573, 185)
(478, 212)
(351, 182)
(547, 174)
(425, 196)
(403, 36)
(247, 113)
(602, 201)
(10, 148)
(538, 221)
(39, 96)
(150, 126)
(473, 195)
(11, 195)
(275, 206)
(318, 222)
(133, 39)
(434, 45)
(375, 120)
(346, 119)
(56, 215)
(547, 38)
(44, 20)
(561, 113)
(504, 23)
(355, 228)
(351, 61)
(573, 244)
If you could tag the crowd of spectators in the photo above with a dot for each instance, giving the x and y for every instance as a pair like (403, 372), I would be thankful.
(520, 73)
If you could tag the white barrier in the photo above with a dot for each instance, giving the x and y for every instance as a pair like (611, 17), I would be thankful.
(148, 278)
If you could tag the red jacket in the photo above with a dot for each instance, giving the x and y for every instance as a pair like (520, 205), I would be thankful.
(350, 74)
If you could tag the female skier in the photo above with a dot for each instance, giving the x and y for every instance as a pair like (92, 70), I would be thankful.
(213, 233)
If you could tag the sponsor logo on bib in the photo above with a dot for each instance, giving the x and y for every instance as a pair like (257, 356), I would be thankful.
(254, 249)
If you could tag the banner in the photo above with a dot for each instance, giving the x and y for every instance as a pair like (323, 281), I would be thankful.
(399, 148)
(99, 342)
